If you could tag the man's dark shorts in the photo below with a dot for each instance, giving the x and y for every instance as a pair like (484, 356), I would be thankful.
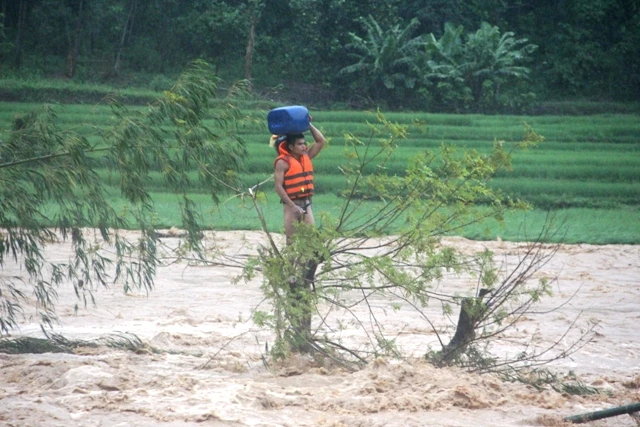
(303, 203)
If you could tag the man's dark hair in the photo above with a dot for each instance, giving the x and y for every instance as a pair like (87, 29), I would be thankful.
(293, 137)
(288, 139)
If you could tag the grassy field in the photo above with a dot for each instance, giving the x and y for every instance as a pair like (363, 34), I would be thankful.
(587, 170)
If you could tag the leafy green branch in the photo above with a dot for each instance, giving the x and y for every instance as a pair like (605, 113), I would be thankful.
(51, 191)
(359, 265)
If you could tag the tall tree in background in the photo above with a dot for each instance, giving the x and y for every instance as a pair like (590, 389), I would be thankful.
(52, 40)
(254, 11)
(433, 14)
(22, 17)
(127, 29)
(74, 40)
(315, 32)
(215, 30)
(5, 46)
(163, 14)
(587, 48)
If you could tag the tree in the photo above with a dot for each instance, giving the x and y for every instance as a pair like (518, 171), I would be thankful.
(434, 14)
(215, 30)
(585, 47)
(42, 165)
(5, 46)
(314, 32)
(53, 38)
(367, 261)
(22, 16)
(255, 9)
(74, 41)
(127, 29)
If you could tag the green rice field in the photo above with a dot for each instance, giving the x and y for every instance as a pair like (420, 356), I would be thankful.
(587, 170)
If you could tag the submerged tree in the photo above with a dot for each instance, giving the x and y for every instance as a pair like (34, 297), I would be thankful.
(371, 259)
(51, 190)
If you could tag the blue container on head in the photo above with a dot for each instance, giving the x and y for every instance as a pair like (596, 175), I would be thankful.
(290, 119)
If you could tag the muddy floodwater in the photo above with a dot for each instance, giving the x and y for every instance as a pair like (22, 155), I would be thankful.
(204, 361)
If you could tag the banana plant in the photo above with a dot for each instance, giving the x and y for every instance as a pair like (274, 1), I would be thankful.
(385, 58)
(472, 69)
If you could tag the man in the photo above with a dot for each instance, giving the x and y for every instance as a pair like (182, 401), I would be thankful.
(294, 185)
(294, 177)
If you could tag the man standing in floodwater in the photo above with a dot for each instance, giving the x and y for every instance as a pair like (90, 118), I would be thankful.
(294, 177)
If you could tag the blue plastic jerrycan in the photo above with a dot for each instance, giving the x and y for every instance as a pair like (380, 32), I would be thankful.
(291, 119)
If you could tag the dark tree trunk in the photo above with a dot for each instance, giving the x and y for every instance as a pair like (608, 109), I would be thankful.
(72, 56)
(22, 15)
(299, 292)
(465, 330)
(472, 310)
(128, 27)
(248, 57)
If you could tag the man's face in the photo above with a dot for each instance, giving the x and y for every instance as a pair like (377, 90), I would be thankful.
(299, 147)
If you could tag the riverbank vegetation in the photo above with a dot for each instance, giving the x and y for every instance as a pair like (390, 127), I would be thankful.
(586, 170)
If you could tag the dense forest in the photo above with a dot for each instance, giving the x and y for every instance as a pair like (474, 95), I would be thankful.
(440, 55)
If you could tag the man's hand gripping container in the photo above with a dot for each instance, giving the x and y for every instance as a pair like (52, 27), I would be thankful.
(287, 120)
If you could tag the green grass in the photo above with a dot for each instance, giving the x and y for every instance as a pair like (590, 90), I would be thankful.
(574, 225)
(588, 167)
(46, 90)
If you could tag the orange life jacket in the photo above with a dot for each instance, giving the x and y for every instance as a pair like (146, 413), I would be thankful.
(298, 180)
